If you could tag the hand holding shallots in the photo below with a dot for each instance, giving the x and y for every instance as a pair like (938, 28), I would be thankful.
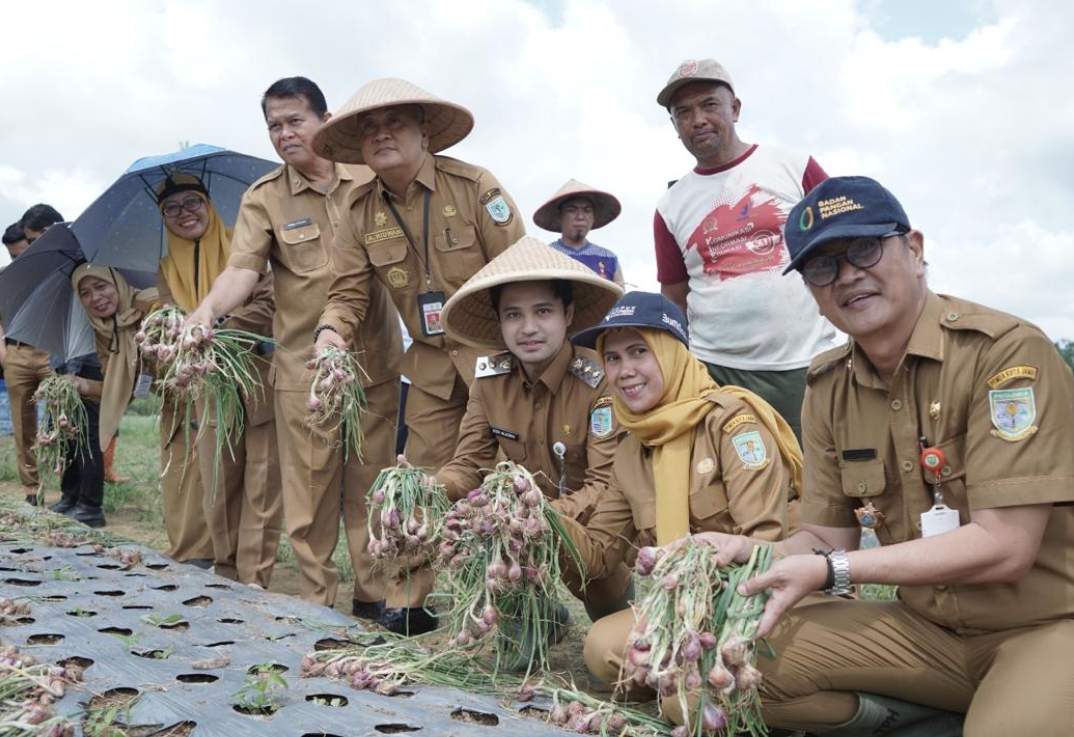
(336, 399)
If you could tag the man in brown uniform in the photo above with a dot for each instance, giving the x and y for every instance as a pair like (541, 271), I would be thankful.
(947, 427)
(25, 367)
(289, 219)
(424, 226)
(543, 403)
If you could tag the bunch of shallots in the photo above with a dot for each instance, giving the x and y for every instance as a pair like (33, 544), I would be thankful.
(28, 691)
(501, 548)
(337, 399)
(405, 509)
(692, 639)
(66, 431)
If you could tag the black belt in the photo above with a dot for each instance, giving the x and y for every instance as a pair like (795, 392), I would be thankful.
(19, 343)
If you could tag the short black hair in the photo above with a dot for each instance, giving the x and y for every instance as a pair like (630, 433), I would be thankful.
(561, 289)
(296, 87)
(39, 217)
(13, 234)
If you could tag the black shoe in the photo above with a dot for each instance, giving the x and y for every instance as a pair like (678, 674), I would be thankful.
(64, 505)
(87, 515)
(370, 610)
(31, 499)
(408, 621)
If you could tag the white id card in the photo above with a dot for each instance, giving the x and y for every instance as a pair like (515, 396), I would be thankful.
(938, 520)
(141, 387)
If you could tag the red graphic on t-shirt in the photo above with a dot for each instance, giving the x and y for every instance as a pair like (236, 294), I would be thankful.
(742, 238)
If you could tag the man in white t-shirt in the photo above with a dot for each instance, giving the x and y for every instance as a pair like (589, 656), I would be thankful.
(720, 249)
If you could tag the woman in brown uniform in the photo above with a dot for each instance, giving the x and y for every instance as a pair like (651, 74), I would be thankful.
(698, 457)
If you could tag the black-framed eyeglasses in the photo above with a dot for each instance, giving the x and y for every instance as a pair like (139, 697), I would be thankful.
(862, 253)
(190, 204)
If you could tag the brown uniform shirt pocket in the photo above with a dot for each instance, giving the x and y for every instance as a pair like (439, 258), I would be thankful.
(644, 514)
(457, 254)
(302, 248)
(385, 256)
(708, 510)
(863, 479)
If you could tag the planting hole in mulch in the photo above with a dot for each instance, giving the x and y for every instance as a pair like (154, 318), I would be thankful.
(197, 678)
(289, 620)
(47, 638)
(22, 581)
(254, 670)
(23, 620)
(229, 620)
(199, 601)
(319, 734)
(165, 587)
(54, 597)
(394, 728)
(137, 607)
(221, 586)
(20, 551)
(155, 654)
(534, 712)
(327, 699)
(256, 711)
(110, 566)
(121, 631)
(180, 729)
(475, 717)
(86, 553)
(331, 643)
(134, 575)
(105, 712)
(156, 566)
(82, 613)
(222, 643)
(111, 592)
(78, 660)
(9, 570)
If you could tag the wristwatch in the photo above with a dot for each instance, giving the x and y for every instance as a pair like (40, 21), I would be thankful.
(838, 573)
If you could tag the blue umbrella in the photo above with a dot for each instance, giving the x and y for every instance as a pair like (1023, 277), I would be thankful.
(123, 226)
(37, 303)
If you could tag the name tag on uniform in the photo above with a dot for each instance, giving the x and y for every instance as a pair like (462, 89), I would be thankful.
(430, 307)
(141, 387)
(500, 432)
(294, 224)
(938, 520)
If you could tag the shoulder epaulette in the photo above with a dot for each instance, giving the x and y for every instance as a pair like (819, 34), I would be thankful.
(829, 359)
(274, 174)
(588, 370)
(960, 314)
(459, 168)
(495, 365)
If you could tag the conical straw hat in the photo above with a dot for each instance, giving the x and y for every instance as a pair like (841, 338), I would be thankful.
(606, 207)
(338, 139)
(469, 318)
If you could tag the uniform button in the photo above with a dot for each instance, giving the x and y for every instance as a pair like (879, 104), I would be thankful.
(941, 588)
(945, 471)
(537, 405)
(454, 352)
(896, 404)
(952, 316)
(863, 487)
(907, 466)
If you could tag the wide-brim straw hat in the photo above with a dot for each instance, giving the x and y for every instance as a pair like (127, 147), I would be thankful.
(606, 207)
(339, 140)
(469, 317)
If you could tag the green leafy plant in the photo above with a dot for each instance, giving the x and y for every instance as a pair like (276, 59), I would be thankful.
(260, 694)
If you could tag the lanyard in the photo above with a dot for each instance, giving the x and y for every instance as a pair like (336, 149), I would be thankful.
(424, 232)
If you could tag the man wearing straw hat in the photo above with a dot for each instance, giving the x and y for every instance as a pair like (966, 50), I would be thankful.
(289, 219)
(423, 227)
(575, 210)
(542, 403)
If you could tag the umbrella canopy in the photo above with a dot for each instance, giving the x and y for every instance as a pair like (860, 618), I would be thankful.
(37, 302)
(123, 227)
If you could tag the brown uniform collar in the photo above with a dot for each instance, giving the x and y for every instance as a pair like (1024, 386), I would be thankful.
(426, 177)
(298, 182)
(926, 342)
(553, 375)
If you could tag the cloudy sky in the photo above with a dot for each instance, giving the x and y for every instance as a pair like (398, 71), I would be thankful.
(961, 107)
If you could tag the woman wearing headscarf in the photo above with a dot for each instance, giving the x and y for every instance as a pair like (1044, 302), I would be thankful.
(115, 310)
(239, 499)
(697, 457)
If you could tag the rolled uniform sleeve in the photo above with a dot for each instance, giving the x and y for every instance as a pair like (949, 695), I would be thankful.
(496, 237)
(253, 236)
(475, 450)
(604, 540)
(756, 493)
(1034, 464)
(348, 297)
(823, 501)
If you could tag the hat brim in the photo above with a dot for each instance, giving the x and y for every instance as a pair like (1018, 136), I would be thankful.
(664, 98)
(469, 317)
(839, 232)
(606, 208)
(340, 140)
(588, 338)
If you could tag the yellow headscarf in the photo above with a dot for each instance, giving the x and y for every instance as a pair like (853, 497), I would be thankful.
(668, 427)
(190, 280)
(116, 347)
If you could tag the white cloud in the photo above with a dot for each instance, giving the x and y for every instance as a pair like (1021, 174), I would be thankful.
(972, 131)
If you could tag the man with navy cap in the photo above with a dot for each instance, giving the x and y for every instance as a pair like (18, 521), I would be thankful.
(945, 427)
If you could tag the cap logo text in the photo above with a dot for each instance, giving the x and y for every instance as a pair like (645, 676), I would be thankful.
(836, 206)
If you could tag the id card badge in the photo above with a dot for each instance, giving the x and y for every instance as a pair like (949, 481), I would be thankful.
(938, 520)
(141, 387)
(430, 307)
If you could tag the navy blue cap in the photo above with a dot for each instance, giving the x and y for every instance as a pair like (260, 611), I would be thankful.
(639, 310)
(841, 207)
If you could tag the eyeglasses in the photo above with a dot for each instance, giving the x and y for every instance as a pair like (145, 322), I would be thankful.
(190, 204)
(862, 253)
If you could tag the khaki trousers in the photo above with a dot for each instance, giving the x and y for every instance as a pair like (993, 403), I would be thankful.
(243, 501)
(1016, 682)
(181, 488)
(433, 432)
(24, 370)
(318, 485)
